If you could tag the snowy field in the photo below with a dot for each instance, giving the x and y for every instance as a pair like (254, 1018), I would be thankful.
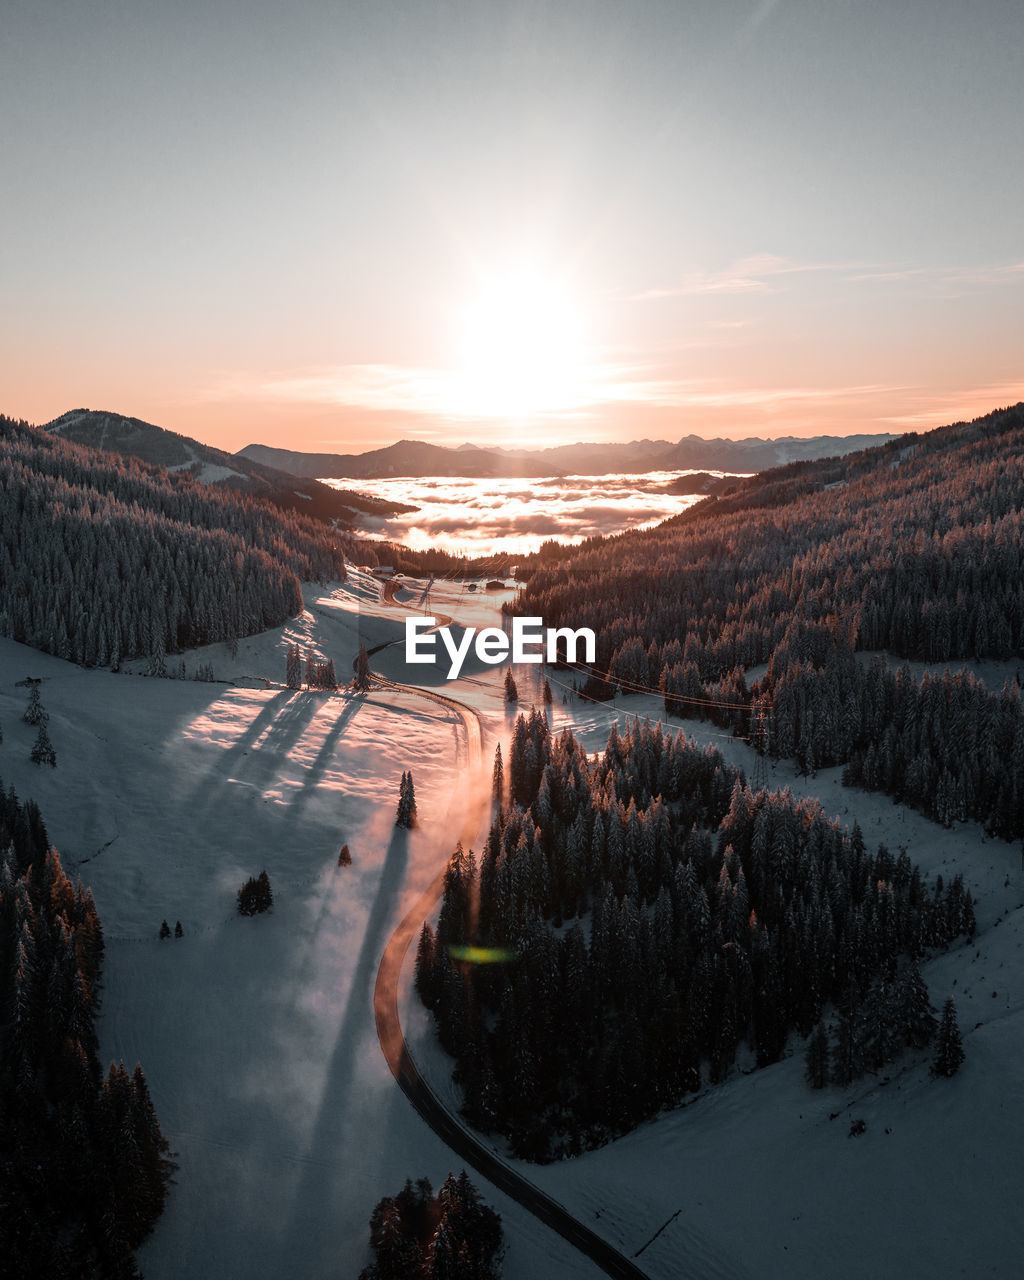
(760, 1178)
(257, 1035)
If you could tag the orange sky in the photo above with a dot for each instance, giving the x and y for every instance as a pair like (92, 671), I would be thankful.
(330, 227)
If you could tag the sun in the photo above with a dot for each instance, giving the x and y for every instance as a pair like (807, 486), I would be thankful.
(522, 349)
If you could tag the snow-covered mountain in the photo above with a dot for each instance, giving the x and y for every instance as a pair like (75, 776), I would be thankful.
(131, 437)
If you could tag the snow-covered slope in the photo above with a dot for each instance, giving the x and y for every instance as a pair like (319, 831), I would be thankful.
(758, 1178)
(257, 1035)
(131, 437)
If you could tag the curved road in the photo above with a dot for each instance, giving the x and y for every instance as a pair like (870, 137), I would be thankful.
(396, 1051)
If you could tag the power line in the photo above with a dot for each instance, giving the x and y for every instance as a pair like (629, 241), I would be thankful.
(729, 737)
(636, 687)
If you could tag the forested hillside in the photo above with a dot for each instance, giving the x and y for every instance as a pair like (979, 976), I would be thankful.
(658, 914)
(104, 559)
(915, 548)
(131, 437)
(84, 1167)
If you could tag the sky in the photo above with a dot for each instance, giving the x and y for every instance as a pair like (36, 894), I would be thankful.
(329, 226)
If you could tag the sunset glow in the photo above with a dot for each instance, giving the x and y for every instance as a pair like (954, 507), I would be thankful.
(522, 351)
(349, 225)
(484, 517)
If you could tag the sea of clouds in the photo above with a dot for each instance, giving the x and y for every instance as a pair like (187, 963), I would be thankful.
(481, 517)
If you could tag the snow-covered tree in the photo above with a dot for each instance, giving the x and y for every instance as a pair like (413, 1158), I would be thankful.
(293, 668)
(405, 815)
(255, 896)
(361, 680)
(34, 712)
(498, 779)
(42, 749)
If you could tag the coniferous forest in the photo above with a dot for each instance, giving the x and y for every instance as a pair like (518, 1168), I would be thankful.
(104, 558)
(84, 1167)
(662, 915)
(658, 915)
(915, 548)
(450, 1236)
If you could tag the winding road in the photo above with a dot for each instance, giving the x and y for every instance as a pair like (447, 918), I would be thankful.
(392, 1039)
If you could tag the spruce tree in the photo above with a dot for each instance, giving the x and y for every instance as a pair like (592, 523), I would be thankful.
(405, 815)
(917, 1018)
(179, 932)
(344, 857)
(247, 898)
(949, 1049)
(293, 669)
(424, 980)
(42, 750)
(255, 896)
(498, 778)
(511, 688)
(158, 1166)
(165, 930)
(411, 794)
(401, 814)
(34, 712)
(264, 898)
(361, 682)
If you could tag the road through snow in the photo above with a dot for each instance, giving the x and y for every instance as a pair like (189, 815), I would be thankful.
(396, 1051)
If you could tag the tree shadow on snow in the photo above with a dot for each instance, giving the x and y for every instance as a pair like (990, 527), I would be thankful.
(315, 1199)
(281, 723)
(316, 771)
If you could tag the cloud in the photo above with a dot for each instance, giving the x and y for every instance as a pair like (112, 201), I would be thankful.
(382, 387)
(696, 394)
(746, 275)
(431, 398)
(480, 515)
(944, 278)
(763, 274)
(406, 389)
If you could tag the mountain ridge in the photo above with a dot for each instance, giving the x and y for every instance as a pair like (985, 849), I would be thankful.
(412, 458)
(158, 446)
(403, 458)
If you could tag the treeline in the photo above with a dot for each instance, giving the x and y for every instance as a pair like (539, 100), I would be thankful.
(944, 745)
(84, 1167)
(659, 915)
(104, 559)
